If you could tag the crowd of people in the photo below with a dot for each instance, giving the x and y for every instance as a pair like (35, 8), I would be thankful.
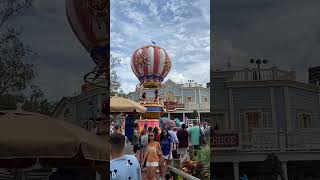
(154, 149)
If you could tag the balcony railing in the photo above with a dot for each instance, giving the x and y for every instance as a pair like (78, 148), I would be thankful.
(268, 140)
(303, 139)
(263, 75)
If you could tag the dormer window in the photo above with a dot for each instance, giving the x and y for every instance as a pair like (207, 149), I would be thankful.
(304, 120)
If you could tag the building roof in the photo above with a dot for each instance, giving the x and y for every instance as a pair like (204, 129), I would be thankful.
(71, 100)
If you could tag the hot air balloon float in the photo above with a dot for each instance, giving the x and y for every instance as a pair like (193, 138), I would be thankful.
(151, 64)
(89, 20)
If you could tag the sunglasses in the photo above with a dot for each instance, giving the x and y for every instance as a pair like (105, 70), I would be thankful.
(151, 135)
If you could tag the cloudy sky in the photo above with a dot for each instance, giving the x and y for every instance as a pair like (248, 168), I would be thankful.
(287, 32)
(181, 27)
(62, 61)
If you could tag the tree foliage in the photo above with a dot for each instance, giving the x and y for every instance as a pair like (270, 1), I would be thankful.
(15, 73)
(115, 85)
(271, 168)
(114, 77)
(194, 114)
(38, 103)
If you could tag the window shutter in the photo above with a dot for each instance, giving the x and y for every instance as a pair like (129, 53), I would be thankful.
(300, 120)
(309, 120)
(266, 120)
(243, 122)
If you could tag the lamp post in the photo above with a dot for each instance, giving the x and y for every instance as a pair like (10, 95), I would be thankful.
(259, 62)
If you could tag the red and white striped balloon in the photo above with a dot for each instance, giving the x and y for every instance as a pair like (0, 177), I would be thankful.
(89, 20)
(151, 64)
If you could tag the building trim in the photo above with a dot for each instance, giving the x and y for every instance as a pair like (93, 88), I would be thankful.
(273, 108)
(269, 83)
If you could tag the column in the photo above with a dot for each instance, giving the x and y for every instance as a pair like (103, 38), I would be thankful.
(236, 170)
(284, 168)
(182, 97)
(169, 115)
(287, 106)
(98, 176)
(200, 99)
(273, 106)
(231, 110)
(184, 116)
(195, 96)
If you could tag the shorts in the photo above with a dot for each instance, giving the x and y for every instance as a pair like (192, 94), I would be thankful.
(152, 164)
(167, 157)
(182, 150)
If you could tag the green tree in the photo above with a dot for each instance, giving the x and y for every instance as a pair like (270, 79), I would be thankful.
(194, 114)
(37, 102)
(114, 77)
(15, 73)
(115, 84)
(271, 168)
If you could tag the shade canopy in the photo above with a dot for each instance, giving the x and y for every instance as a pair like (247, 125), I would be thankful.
(120, 104)
(27, 137)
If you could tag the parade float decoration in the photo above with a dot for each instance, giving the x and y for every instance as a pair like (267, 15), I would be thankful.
(151, 64)
(89, 20)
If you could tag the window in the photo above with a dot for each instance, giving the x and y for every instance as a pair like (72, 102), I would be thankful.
(218, 121)
(253, 119)
(204, 99)
(188, 99)
(304, 120)
(66, 115)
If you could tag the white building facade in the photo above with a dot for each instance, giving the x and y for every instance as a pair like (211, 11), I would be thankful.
(256, 117)
(189, 97)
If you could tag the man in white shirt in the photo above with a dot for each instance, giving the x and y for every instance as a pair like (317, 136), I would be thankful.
(175, 141)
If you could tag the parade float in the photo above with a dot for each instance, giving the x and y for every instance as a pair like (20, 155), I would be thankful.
(151, 64)
(90, 22)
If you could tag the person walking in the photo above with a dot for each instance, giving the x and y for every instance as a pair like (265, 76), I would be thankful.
(117, 129)
(156, 134)
(175, 141)
(143, 143)
(122, 166)
(183, 137)
(195, 134)
(153, 157)
(166, 147)
(145, 128)
(136, 138)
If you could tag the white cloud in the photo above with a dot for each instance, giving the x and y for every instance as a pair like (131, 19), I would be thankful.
(176, 25)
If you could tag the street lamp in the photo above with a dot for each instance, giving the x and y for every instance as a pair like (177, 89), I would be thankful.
(259, 62)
